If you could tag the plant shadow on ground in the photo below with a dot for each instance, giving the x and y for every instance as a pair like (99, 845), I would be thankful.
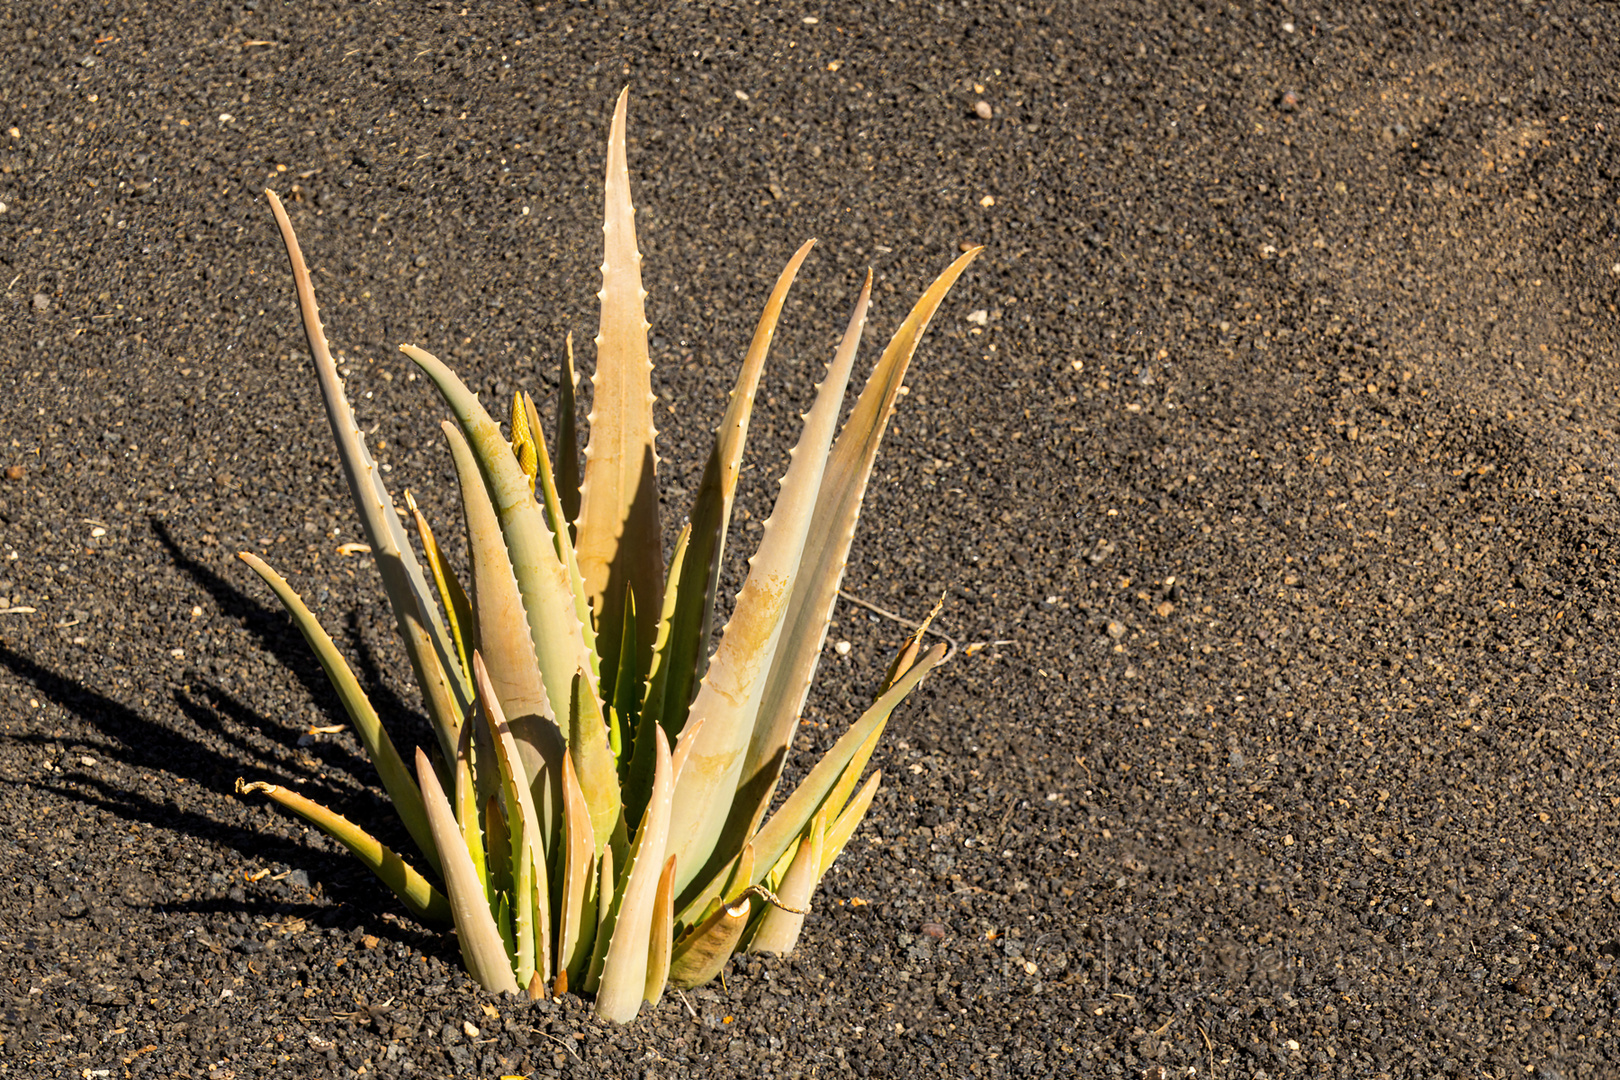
(222, 752)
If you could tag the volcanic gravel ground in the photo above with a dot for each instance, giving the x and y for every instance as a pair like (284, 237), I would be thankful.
(1266, 460)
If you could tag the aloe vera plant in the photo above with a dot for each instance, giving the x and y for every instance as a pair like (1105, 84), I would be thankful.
(593, 813)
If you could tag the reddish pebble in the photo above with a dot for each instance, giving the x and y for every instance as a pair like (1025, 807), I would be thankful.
(933, 930)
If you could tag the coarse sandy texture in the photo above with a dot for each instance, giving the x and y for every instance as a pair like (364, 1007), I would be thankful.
(1270, 447)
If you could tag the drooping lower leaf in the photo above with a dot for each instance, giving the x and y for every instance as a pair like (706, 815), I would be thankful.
(402, 790)
(414, 891)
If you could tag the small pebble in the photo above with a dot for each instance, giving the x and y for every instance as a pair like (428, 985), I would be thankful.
(1290, 101)
(982, 109)
(41, 302)
(15, 472)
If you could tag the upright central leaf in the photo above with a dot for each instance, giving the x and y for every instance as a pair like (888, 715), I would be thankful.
(619, 543)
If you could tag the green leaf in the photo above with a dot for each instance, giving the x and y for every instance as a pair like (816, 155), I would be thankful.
(532, 932)
(469, 795)
(482, 948)
(440, 680)
(419, 897)
(623, 708)
(639, 780)
(504, 642)
(728, 699)
(567, 468)
(457, 609)
(558, 521)
(606, 898)
(396, 779)
(548, 599)
(577, 917)
(498, 837)
(839, 832)
(501, 906)
(620, 543)
(593, 761)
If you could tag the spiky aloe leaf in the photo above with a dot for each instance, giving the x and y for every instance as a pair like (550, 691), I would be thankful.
(619, 539)
(826, 553)
(696, 580)
(532, 928)
(557, 518)
(529, 447)
(624, 706)
(470, 792)
(431, 653)
(593, 760)
(728, 698)
(567, 467)
(779, 924)
(620, 967)
(414, 891)
(640, 774)
(548, 600)
(606, 897)
(458, 614)
(498, 837)
(662, 940)
(504, 643)
(482, 949)
(396, 779)
(578, 902)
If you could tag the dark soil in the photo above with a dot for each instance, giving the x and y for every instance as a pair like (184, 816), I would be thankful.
(1267, 459)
